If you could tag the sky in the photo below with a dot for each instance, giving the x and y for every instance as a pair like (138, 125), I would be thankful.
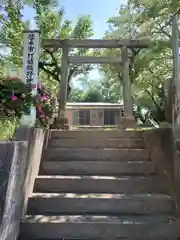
(100, 11)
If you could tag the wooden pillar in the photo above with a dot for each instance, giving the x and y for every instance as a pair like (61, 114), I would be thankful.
(128, 118)
(61, 122)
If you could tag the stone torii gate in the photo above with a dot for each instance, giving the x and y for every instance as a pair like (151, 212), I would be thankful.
(61, 121)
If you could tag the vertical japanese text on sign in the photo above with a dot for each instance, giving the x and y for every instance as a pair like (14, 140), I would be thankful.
(30, 72)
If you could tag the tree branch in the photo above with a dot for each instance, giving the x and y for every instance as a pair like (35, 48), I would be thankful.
(135, 51)
(158, 88)
(71, 72)
(162, 30)
(51, 54)
(51, 73)
(55, 62)
(153, 99)
(132, 59)
(169, 21)
(46, 64)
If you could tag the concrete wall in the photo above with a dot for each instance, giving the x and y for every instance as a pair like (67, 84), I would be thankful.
(9, 228)
(20, 161)
(6, 156)
(36, 139)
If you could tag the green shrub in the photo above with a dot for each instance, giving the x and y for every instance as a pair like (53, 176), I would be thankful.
(16, 100)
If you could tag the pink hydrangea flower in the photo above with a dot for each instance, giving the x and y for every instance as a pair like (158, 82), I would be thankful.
(45, 98)
(33, 85)
(14, 98)
(39, 85)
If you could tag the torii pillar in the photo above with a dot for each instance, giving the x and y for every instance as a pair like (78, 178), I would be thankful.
(128, 120)
(61, 121)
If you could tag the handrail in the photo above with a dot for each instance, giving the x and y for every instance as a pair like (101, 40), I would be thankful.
(9, 229)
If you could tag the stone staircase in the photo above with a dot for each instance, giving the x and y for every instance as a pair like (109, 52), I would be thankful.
(98, 185)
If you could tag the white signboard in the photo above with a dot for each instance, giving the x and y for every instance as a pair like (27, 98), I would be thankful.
(30, 71)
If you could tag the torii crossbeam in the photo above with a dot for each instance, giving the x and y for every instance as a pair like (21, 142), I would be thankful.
(95, 43)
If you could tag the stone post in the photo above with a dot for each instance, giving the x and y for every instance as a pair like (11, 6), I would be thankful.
(128, 119)
(61, 122)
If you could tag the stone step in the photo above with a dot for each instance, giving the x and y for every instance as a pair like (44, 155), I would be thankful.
(114, 168)
(84, 142)
(95, 133)
(123, 219)
(98, 184)
(110, 204)
(103, 227)
(104, 154)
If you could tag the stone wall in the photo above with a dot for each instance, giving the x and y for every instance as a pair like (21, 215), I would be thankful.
(166, 159)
